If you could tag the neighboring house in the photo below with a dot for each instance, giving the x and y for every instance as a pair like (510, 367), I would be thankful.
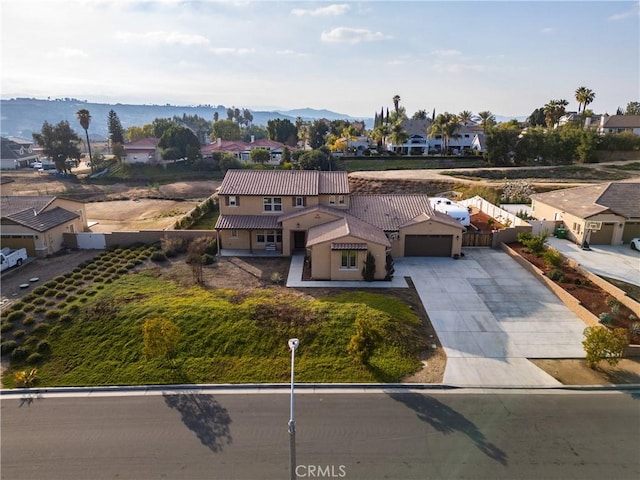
(311, 211)
(38, 223)
(418, 142)
(144, 150)
(603, 214)
(242, 150)
(619, 124)
(16, 153)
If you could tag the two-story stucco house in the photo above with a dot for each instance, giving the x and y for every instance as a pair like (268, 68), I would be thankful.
(313, 212)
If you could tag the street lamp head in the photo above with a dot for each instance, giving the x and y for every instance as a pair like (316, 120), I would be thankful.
(293, 343)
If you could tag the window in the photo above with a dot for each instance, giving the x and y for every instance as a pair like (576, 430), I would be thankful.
(232, 201)
(299, 202)
(349, 258)
(269, 236)
(234, 233)
(341, 199)
(332, 200)
(272, 204)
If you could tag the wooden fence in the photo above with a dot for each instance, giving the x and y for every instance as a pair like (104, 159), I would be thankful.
(471, 239)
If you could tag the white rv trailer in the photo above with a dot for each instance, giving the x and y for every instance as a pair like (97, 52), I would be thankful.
(454, 210)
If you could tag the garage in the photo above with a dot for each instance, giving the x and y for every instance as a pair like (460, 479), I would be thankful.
(602, 236)
(428, 245)
(631, 230)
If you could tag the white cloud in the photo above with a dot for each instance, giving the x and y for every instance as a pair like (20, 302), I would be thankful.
(352, 35)
(231, 51)
(160, 38)
(330, 10)
(447, 53)
(67, 53)
(290, 52)
(547, 30)
(633, 12)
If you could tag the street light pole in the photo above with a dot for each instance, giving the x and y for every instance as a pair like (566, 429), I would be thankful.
(293, 345)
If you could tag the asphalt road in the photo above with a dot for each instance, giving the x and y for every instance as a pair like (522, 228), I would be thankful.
(354, 436)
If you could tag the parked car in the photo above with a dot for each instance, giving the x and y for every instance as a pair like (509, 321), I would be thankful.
(12, 258)
(635, 243)
(36, 165)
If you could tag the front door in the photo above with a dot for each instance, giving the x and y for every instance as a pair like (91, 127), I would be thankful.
(299, 240)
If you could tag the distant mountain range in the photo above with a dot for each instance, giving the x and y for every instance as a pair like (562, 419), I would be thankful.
(20, 117)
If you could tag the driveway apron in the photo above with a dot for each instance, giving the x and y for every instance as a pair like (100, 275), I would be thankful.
(491, 315)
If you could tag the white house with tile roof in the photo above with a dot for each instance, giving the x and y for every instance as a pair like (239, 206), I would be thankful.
(311, 211)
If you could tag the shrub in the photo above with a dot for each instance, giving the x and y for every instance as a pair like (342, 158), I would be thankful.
(40, 310)
(6, 327)
(615, 307)
(364, 341)
(26, 378)
(39, 301)
(18, 305)
(52, 314)
(50, 284)
(19, 334)
(43, 346)
(277, 278)
(552, 257)
(66, 318)
(8, 347)
(369, 268)
(61, 295)
(20, 353)
(208, 259)
(533, 243)
(158, 256)
(556, 275)
(50, 292)
(50, 303)
(604, 344)
(634, 329)
(605, 318)
(173, 246)
(28, 307)
(40, 290)
(34, 358)
(77, 276)
(29, 321)
(15, 316)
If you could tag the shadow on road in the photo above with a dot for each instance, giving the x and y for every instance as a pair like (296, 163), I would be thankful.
(446, 420)
(205, 417)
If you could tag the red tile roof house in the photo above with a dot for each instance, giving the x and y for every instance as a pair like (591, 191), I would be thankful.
(242, 150)
(310, 211)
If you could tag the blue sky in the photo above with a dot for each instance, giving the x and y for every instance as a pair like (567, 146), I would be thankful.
(350, 57)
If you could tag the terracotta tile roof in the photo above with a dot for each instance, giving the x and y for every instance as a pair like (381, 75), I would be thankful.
(11, 204)
(143, 143)
(224, 146)
(348, 246)
(42, 221)
(284, 182)
(245, 222)
(390, 212)
(343, 227)
(622, 198)
(316, 208)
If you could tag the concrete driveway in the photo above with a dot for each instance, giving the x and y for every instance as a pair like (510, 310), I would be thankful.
(615, 261)
(491, 315)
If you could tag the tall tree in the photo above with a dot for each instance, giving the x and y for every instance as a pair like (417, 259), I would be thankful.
(487, 119)
(396, 102)
(180, 142)
(553, 110)
(466, 117)
(161, 125)
(84, 117)
(445, 124)
(584, 97)
(58, 142)
(317, 133)
(398, 136)
(116, 131)
(282, 130)
(419, 115)
(537, 118)
(633, 108)
(225, 130)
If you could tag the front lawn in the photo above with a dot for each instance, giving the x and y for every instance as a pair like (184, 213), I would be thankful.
(227, 336)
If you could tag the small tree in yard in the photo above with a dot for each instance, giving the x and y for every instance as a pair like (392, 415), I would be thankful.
(369, 269)
(364, 341)
(601, 343)
(389, 268)
(161, 338)
(26, 378)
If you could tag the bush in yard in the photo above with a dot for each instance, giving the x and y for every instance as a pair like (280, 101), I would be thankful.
(533, 243)
(158, 256)
(635, 329)
(364, 341)
(173, 246)
(556, 275)
(28, 321)
(8, 347)
(6, 327)
(20, 353)
(605, 318)
(369, 269)
(34, 358)
(15, 316)
(161, 338)
(389, 268)
(552, 258)
(601, 343)
(43, 328)
(208, 259)
(19, 334)
(28, 307)
(26, 378)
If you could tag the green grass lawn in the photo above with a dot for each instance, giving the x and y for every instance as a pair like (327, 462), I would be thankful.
(226, 336)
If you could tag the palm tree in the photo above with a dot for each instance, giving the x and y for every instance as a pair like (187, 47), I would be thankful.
(380, 133)
(84, 117)
(398, 136)
(445, 124)
(466, 117)
(584, 96)
(553, 110)
(487, 119)
(396, 102)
